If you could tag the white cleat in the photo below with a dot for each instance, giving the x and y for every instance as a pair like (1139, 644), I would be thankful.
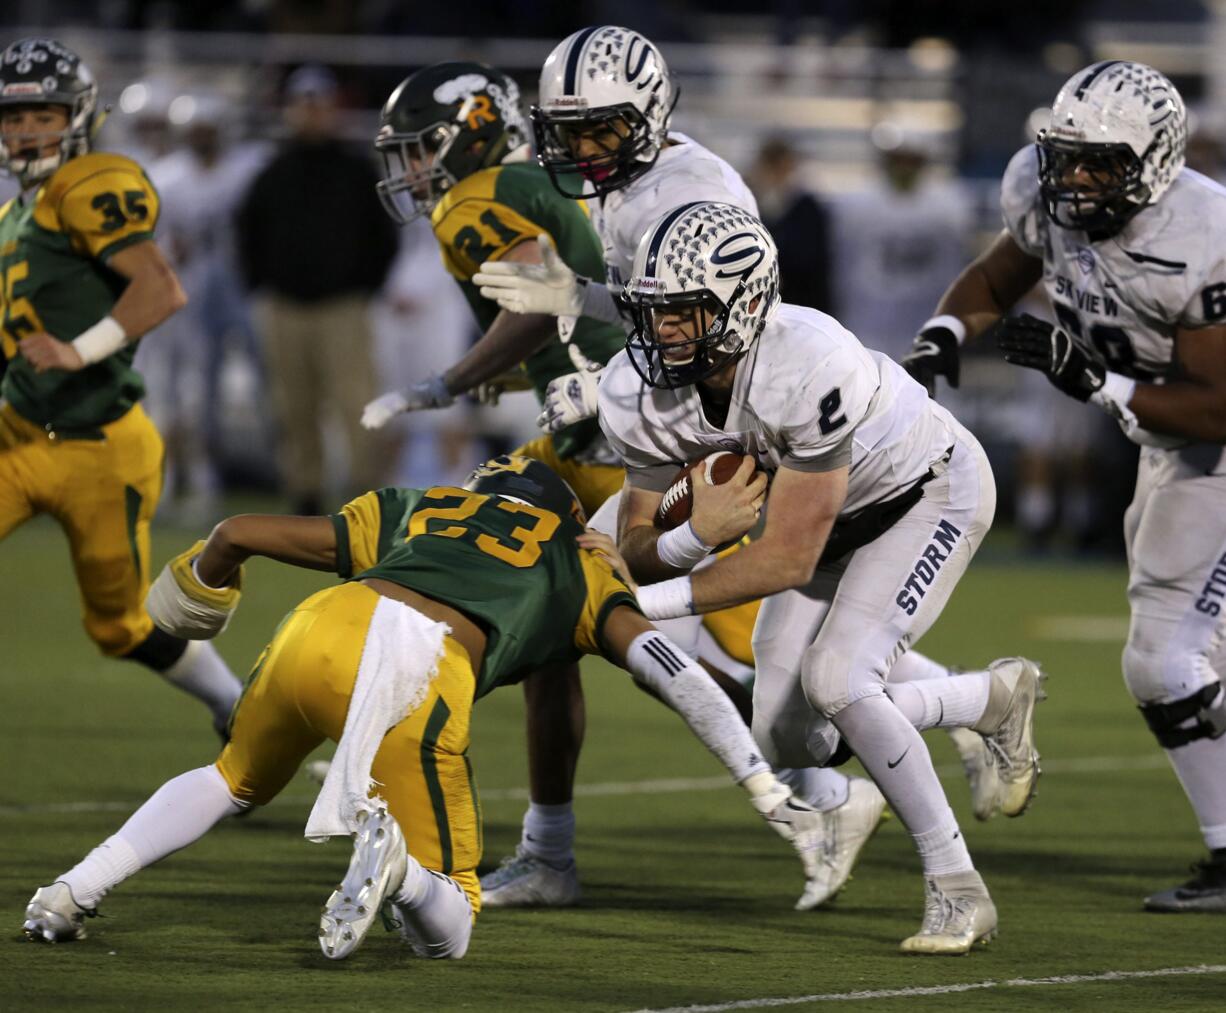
(523, 880)
(828, 843)
(847, 829)
(1012, 740)
(979, 765)
(52, 916)
(375, 872)
(958, 913)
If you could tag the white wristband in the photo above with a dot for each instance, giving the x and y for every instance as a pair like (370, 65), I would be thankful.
(681, 547)
(669, 599)
(949, 322)
(105, 338)
(1115, 393)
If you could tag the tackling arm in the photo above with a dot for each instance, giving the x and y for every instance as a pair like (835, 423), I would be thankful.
(309, 542)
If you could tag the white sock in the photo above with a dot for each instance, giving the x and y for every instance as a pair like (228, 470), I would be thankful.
(1201, 769)
(177, 814)
(549, 832)
(956, 702)
(202, 673)
(895, 756)
(823, 788)
(913, 667)
(435, 911)
(943, 848)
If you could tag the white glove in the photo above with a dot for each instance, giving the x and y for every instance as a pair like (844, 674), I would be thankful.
(796, 822)
(569, 398)
(182, 606)
(430, 393)
(548, 287)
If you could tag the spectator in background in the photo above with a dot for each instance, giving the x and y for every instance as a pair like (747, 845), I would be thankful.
(798, 223)
(316, 244)
(201, 185)
(897, 244)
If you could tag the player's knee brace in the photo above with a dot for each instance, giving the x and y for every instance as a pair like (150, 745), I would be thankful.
(1199, 716)
(158, 651)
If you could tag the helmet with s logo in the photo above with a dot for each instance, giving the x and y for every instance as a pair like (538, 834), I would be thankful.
(705, 283)
(605, 100)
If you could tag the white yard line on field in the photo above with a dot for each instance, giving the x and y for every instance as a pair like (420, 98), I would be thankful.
(970, 986)
(658, 786)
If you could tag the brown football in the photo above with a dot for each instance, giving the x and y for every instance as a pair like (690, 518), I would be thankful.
(678, 499)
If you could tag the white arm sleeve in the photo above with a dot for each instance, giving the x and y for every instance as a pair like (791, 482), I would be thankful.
(658, 664)
(599, 305)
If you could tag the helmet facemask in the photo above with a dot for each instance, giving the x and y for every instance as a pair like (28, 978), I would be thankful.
(1108, 193)
(682, 338)
(622, 132)
(408, 193)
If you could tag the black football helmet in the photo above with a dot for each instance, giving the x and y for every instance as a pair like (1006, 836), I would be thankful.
(441, 125)
(524, 478)
(45, 72)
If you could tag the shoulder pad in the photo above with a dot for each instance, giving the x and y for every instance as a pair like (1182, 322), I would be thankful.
(1023, 215)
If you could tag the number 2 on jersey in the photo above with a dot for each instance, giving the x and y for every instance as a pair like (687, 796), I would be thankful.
(530, 539)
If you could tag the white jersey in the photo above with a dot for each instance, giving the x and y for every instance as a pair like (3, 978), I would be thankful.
(1122, 299)
(895, 255)
(684, 171)
(807, 396)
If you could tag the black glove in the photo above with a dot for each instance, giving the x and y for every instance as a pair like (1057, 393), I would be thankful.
(934, 353)
(1036, 344)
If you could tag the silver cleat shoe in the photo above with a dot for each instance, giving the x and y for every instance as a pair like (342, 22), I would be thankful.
(52, 916)
(1205, 891)
(1016, 688)
(375, 872)
(523, 880)
(958, 913)
(979, 765)
(837, 840)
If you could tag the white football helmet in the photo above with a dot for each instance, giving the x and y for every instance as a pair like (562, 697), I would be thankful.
(1115, 144)
(705, 283)
(611, 86)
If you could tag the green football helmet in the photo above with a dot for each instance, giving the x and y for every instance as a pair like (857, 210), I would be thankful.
(522, 478)
(441, 125)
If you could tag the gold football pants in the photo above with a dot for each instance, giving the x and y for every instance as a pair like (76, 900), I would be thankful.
(298, 695)
(102, 488)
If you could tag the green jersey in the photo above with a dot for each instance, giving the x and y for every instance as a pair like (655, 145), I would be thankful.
(512, 567)
(486, 214)
(54, 248)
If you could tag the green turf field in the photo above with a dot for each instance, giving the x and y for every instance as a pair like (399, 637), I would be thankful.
(687, 897)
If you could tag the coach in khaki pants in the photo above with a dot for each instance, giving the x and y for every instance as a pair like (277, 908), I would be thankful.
(316, 245)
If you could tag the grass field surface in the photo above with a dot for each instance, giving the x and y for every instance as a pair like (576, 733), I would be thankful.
(687, 897)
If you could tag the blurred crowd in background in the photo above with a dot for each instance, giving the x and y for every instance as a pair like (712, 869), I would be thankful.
(872, 134)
